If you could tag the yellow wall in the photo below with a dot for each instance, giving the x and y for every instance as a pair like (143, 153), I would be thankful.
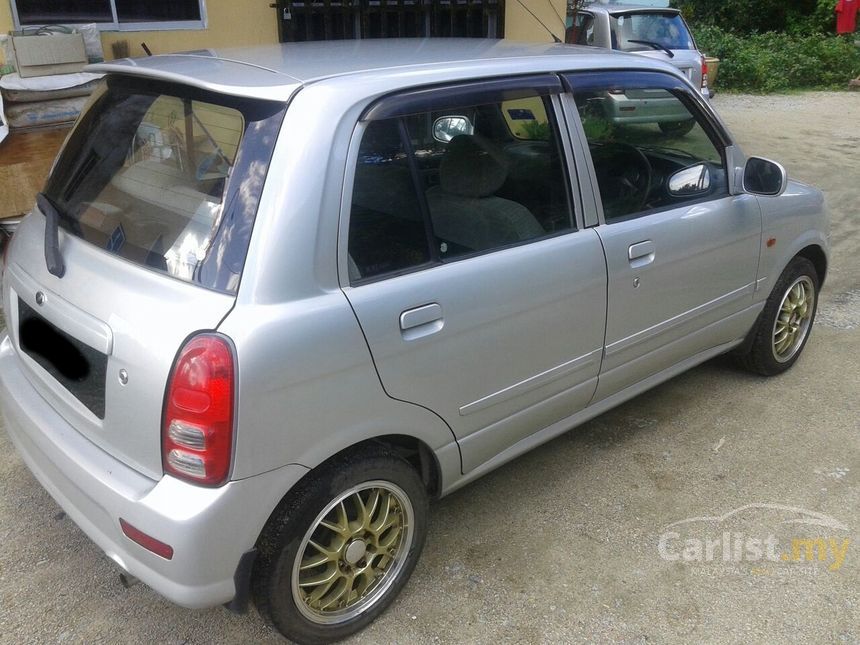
(231, 23)
(519, 25)
(236, 23)
(5, 22)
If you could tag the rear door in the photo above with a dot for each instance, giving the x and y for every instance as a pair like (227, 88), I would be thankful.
(154, 203)
(480, 295)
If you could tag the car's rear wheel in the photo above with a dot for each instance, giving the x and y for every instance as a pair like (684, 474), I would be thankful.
(677, 128)
(783, 326)
(340, 548)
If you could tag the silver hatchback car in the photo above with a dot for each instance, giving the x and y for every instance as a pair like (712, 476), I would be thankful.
(273, 300)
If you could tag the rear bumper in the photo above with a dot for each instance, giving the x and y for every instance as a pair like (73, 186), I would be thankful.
(209, 528)
(621, 109)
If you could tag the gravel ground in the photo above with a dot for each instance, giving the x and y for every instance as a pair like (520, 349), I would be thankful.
(563, 544)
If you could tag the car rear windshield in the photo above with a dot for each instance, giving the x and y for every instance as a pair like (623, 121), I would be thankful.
(652, 30)
(167, 176)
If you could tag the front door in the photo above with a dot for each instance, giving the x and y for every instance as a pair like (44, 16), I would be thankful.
(682, 261)
(479, 296)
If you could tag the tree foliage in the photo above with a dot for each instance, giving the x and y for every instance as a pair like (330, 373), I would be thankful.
(776, 62)
(760, 16)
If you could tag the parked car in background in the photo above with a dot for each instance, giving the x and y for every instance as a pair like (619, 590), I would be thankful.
(660, 33)
(273, 300)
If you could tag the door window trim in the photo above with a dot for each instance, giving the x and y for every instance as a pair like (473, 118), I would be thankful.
(451, 96)
(459, 95)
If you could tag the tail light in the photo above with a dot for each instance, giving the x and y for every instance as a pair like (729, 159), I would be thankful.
(704, 72)
(197, 431)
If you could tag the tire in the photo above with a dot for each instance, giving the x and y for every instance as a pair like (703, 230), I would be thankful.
(677, 128)
(297, 602)
(784, 324)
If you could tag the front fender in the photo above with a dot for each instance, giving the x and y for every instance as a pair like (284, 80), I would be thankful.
(791, 222)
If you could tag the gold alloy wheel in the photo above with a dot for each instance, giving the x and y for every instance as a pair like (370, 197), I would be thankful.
(794, 319)
(353, 552)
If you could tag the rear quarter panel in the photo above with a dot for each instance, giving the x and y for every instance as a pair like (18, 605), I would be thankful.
(307, 389)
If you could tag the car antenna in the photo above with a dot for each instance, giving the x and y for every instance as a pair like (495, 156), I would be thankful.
(540, 22)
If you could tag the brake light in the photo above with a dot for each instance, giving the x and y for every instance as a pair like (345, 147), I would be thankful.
(704, 72)
(197, 430)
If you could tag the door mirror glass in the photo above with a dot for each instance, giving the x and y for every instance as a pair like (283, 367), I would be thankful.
(764, 177)
(447, 127)
(688, 182)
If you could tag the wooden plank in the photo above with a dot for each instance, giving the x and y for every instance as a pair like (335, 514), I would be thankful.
(25, 161)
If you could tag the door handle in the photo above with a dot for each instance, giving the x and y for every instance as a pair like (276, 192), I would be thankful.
(421, 321)
(640, 254)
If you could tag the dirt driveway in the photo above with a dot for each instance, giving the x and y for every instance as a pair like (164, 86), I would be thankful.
(573, 541)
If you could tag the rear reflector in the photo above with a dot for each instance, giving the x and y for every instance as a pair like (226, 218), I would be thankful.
(146, 541)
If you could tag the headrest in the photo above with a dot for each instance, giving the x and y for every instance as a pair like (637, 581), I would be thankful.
(472, 167)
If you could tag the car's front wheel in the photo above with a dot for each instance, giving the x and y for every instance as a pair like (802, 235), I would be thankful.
(339, 549)
(783, 326)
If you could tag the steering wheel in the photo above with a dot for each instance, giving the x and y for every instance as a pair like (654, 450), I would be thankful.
(624, 177)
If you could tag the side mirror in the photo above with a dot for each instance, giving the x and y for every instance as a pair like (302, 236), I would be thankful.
(764, 177)
(692, 181)
(446, 128)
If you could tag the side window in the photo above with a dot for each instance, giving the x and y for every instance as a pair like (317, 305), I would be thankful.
(581, 32)
(649, 151)
(386, 227)
(466, 180)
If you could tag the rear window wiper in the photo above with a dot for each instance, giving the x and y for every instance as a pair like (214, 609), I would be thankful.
(654, 45)
(53, 257)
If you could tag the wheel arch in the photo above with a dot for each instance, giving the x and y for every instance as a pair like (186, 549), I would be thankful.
(815, 254)
(410, 448)
(812, 252)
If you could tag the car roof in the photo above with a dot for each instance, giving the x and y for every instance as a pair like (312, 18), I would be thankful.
(278, 71)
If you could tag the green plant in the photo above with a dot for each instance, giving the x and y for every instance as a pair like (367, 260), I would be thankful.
(747, 16)
(598, 129)
(773, 62)
(535, 130)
